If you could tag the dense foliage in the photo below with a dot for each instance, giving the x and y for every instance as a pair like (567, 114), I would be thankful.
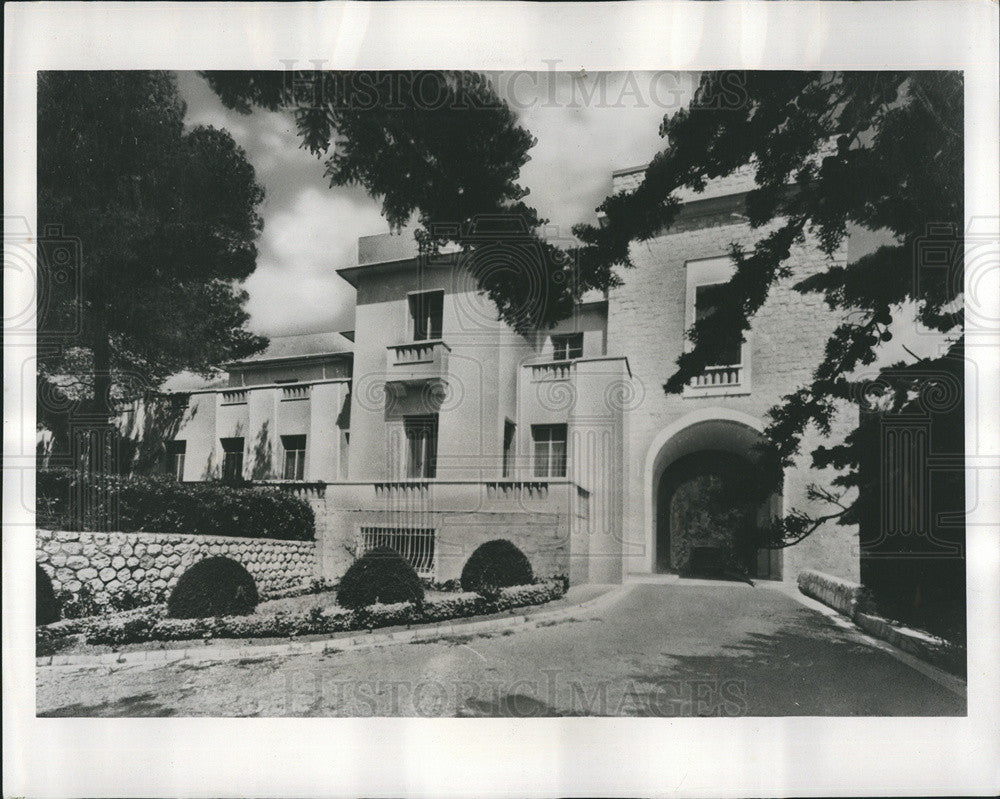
(494, 565)
(68, 499)
(46, 605)
(147, 228)
(380, 575)
(213, 587)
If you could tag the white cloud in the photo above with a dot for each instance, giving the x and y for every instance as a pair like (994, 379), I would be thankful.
(295, 287)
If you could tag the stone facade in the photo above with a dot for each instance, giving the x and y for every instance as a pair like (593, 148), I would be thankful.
(116, 563)
(784, 345)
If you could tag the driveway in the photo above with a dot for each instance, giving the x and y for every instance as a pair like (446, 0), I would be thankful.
(659, 650)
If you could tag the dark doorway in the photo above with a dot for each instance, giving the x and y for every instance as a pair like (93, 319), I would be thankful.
(708, 511)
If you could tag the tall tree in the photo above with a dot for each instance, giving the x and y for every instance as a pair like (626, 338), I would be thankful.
(438, 148)
(163, 222)
(880, 151)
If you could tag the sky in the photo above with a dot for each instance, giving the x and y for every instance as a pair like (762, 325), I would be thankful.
(586, 125)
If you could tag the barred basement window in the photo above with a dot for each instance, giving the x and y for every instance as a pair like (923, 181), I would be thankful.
(415, 544)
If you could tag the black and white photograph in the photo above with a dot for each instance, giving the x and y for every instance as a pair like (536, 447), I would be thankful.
(504, 392)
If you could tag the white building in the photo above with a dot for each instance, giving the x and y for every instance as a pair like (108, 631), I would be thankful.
(434, 427)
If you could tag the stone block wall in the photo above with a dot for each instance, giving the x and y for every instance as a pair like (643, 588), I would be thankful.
(116, 563)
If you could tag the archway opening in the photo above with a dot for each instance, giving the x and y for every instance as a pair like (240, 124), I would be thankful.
(711, 498)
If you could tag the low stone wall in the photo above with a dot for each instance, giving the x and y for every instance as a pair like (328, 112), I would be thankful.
(839, 594)
(116, 563)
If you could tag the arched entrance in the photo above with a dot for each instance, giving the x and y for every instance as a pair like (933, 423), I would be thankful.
(706, 500)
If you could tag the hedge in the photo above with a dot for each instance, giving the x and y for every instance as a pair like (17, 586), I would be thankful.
(152, 625)
(158, 503)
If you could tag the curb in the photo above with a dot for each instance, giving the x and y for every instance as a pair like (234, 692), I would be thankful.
(946, 679)
(360, 640)
(911, 641)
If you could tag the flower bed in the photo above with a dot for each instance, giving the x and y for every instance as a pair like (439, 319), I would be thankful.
(151, 624)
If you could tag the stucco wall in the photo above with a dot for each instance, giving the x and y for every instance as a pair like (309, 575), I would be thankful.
(646, 321)
(476, 391)
(547, 521)
(261, 420)
(113, 563)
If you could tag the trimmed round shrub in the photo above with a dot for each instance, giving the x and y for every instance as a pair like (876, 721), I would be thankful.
(380, 575)
(46, 604)
(214, 586)
(494, 565)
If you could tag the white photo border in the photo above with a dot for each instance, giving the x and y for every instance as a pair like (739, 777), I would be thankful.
(499, 757)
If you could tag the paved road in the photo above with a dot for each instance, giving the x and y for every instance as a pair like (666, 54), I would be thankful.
(660, 650)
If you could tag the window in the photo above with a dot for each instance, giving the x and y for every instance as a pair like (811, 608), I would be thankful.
(509, 430)
(232, 458)
(421, 445)
(550, 449)
(295, 457)
(729, 353)
(426, 311)
(415, 544)
(175, 459)
(567, 346)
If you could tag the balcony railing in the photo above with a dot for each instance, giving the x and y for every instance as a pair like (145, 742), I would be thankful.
(719, 377)
(289, 393)
(238, 397)
(551, 370)
(417, 360)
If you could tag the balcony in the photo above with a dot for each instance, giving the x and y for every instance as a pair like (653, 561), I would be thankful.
(720, 381)
(417, 361)
(551, 370)
(237, 397)
(437, 523)
(718, 376)
(292, 393)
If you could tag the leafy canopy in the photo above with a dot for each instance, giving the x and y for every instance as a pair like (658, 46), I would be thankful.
(164, 224)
